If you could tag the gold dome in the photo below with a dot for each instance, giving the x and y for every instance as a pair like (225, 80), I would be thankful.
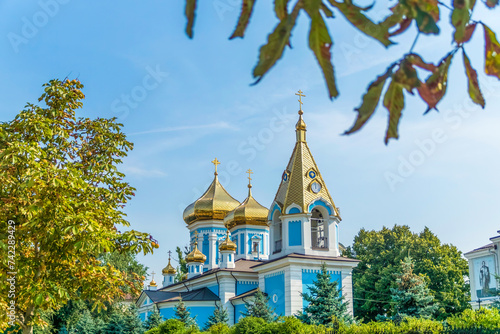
(215, 203)
(152, 283)
(301, 125)
(249, 212)
(169, 270)
(196, 255)
(227, 245)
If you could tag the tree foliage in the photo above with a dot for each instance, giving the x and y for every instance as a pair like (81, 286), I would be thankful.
(325, 302)
(381, 252)
(422, 16)
(153, 320)
(259, 307)
(60, 186)
(183, 314)
(182, 269)
(220, 316)
(411, 294)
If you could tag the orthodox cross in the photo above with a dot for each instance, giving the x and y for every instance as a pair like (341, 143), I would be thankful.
(216, 162)
(169, 254)
(196, 232)
(300, 95)
(249, 171)
(153, 274)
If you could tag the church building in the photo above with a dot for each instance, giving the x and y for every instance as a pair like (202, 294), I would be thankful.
(237, 247)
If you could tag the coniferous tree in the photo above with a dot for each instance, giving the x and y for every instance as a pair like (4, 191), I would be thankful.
(259, 307)
(411, 295)
(153, 320)
(183, 314)
(219, 316)
(325, 301)
(85, 324)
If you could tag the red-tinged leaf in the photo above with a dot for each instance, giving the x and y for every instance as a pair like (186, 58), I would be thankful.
(190, 14)
(354, 14)
(434, 88)
(460, 18)
(246, 12)
(491, 3)
(403, 26)
(399, 13)
(406, 76)
(491, 53)
(370, 101)
(417, 61)
(474, 90)
(271, 52)
(280, 8)
(426, 23)
(320, 43)
(394, 102)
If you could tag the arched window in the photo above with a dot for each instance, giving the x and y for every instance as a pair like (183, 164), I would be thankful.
(278, 233)
(319, 231)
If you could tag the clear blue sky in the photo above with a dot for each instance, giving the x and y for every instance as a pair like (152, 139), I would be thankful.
(199, 105)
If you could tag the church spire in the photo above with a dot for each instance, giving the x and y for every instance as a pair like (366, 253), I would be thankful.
(301, 125)
(249, 171)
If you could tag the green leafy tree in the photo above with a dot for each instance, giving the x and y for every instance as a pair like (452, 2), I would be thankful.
(259, 307)
(183, 314)
(325, 302)
(411, 294)
(220, 316)
(168, 326)
(404, 74)
(153, 320)
(86, 324)
(381, 252)
(182, 269)
(61, 190)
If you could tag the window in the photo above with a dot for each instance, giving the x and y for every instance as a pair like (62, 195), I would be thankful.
(318, 230)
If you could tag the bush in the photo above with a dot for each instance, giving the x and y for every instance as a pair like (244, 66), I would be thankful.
(470, 319)
(250, 325)
(169, 326)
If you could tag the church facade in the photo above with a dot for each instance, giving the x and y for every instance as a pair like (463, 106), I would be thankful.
(238, 247)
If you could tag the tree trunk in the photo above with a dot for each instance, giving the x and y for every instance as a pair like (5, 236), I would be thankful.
(28, 330)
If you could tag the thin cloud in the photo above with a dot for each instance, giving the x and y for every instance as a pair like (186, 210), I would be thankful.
(219, 125)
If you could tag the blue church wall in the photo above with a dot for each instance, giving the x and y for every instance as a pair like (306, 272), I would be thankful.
(201, 312)
(275, 211)
(295, 233)
(261, 246)
(244, 286)
(214, 289)
(167, 312)
(320, 203)
(206, 247)
(242, 243)
(143, 316)
(309, 275)
(275, 289)
(294, 210)
(238, 312)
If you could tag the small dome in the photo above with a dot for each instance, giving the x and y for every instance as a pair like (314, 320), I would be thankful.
(196, 255)
(215, 203)
(227, 245)
(169, 270)
(250, 212)
(152, 283)
(301, 125)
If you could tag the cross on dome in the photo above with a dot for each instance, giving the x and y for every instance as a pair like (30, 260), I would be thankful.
(216, 162)
(300, 95)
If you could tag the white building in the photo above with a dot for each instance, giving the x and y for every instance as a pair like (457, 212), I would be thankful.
(484, 264)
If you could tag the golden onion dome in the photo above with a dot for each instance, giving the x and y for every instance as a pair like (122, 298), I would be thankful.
(196, 255)
(301, 125)
(228, 244)
(215, 203)
(169, 270)
(152, 283)
(249, 212)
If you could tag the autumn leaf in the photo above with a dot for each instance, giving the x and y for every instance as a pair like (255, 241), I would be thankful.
(434, 88)
(271, 52)
(246, 12)
(190, 14)
(354, 15)
(370, 101)
(460, 18)
(394, 102)
(491, 53)
(320, 43)
(280, 8)
(474, 90)
(491, 3)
